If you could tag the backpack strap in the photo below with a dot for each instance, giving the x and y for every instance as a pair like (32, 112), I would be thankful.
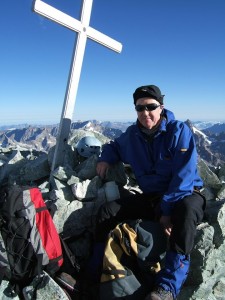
(115, 272)
(22, 213)
(69, 254)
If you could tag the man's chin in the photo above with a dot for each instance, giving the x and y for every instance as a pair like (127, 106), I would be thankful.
(148, 124)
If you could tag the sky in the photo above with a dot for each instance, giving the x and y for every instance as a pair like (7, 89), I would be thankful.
(178, 45)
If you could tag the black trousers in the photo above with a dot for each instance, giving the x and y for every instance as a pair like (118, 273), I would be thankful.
(186, 215)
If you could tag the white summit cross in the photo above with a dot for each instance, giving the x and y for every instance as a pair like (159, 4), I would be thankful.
(84, 32)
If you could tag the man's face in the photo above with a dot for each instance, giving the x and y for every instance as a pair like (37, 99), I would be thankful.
(148, 117)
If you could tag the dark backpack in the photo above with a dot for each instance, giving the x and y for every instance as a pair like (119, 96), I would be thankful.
(132, 257)
(31, 240)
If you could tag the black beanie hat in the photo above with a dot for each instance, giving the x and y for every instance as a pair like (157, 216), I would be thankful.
(148, 91)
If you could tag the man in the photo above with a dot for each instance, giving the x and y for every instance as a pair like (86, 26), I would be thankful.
(163, 157)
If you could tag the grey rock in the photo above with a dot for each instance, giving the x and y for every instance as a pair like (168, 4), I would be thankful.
(86, 169)
(210, 179)
(5, 291)
(11, 168)
(44, 288)
(221, 171)
(63, 173)
(76, 192)
(35, 169)
(61, 191)
(221, 192)
(70, 159)
(87, 189)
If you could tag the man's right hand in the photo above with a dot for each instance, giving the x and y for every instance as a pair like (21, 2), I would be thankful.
(101, 169)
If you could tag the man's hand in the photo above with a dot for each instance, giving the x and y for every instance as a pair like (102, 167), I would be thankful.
(102, 168)
(165, 221)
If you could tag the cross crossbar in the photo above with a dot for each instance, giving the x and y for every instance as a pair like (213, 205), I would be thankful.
(67, 21)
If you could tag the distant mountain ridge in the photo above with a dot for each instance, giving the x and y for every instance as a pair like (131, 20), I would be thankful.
(210, 142)
(206, 124)
(38, 138)
(216, 128)
(202, 125)
(210, 149)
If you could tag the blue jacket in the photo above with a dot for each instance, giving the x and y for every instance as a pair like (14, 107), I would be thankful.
(166, 165)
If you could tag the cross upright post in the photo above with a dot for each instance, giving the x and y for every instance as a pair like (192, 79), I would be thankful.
(84, 31)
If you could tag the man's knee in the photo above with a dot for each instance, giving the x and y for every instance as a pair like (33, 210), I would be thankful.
(190, 207)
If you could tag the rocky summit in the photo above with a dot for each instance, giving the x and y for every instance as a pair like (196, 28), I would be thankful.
(76, 192)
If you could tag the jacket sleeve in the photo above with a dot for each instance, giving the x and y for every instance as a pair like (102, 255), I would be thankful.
(110, 153)
(116, 151)
(184, 167)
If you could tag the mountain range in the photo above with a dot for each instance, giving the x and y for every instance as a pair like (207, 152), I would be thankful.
(210, 140)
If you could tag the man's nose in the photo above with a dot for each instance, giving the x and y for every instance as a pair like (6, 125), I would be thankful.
(146, 111)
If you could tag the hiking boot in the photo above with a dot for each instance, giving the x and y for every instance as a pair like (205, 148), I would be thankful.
(160, 294)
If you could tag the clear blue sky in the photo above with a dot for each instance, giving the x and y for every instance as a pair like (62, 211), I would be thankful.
(178, 45)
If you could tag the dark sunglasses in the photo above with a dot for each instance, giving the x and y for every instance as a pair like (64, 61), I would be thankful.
(148, 107)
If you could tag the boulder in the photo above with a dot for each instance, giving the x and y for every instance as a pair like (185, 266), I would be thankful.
(76, 192)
